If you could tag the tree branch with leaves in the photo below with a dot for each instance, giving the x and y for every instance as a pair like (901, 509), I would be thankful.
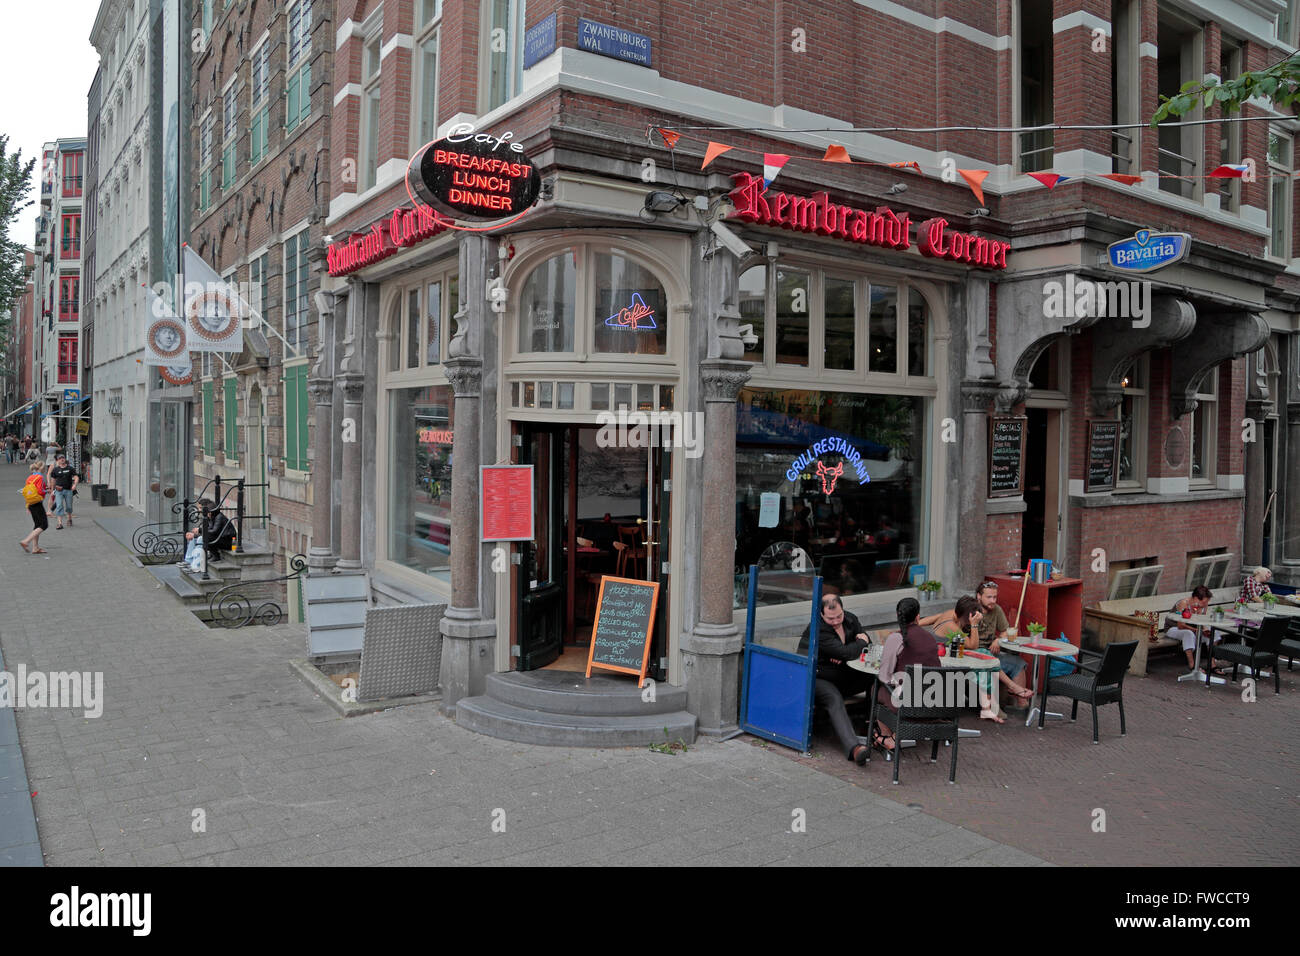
(1279, 84)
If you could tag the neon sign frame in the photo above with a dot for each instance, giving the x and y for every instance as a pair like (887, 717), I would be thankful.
(629, 317)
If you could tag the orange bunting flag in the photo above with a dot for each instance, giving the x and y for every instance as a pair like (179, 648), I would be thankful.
(670, 138)
(713, 152)
(1124, 178)
(836, 154)
(975, 179)
(906, 165)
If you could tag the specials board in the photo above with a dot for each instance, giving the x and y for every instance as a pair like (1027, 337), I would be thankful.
(1006, 457)
(1103, 449)
(620, 638)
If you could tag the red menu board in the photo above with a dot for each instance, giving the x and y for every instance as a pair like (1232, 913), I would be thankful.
(506, 502)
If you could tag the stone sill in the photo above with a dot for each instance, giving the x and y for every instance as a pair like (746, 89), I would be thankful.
(1142, 498)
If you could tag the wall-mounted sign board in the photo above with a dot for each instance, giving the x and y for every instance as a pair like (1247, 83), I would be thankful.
(506, 502)
(620, 638)
(1006, 457)
(1103, 450)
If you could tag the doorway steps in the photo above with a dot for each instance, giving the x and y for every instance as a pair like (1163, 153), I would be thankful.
(564, 709)
(247, 567)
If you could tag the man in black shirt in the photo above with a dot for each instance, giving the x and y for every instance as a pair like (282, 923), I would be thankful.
(64, 481)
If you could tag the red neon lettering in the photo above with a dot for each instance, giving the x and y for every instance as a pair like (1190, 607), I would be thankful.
(803, 214)
(748, 198)
(829, 215)
(778, 208)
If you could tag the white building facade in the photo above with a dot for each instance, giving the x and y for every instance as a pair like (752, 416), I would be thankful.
(121, 36)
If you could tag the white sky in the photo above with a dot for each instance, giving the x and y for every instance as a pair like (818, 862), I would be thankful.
(46, 68)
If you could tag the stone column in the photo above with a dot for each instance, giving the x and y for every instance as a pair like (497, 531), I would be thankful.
(1252, 544)
(320, 384)
(467, 646)
(352, 380)
(711, 650)
(976, 398)
(1288, 548)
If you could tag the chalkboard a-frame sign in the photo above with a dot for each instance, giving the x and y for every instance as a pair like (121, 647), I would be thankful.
(1103, 449)
(620, 638)
(1006, 457)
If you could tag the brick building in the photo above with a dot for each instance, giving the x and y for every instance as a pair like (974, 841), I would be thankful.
(888, 354)
(259, 151)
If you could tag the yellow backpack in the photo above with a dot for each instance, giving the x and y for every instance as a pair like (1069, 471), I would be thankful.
(30, 492)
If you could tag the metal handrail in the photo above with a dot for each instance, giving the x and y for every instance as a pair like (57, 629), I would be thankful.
(229, 607)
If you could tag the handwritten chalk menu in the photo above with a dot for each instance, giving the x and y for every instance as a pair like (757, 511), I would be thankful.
(620, 638)
(506, 502)
(1103, 448)
(1006, 457)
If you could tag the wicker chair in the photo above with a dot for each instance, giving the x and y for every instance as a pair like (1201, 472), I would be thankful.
(923, 723)
(1099, 680)
(1290, 646)
(1261, 651)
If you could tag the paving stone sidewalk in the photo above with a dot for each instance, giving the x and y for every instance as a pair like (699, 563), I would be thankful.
(210, 725)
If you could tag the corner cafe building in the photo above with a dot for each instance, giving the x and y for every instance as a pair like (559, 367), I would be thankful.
(845, 377)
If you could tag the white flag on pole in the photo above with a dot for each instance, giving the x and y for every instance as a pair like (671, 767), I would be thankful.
(164, 337)
(213, 309)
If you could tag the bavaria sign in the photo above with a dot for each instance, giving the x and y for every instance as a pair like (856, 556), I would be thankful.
(1148, 251)
(474, 176)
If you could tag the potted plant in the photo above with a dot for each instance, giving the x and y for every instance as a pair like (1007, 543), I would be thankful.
(1036, 630)
(99, 452)
(1269, 598)
(112, 451)
(930, 589)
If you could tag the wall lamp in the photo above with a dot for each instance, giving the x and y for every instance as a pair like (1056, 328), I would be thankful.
(658, 201)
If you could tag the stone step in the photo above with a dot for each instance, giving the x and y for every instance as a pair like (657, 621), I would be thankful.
(495, 718)
(568, 692)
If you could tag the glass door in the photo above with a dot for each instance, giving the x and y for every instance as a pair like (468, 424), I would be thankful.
(540, 574)
(659, 512)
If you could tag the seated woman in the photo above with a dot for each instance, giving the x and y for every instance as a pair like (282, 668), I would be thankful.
(959, 621)
(1255, 586)
(911, 644)
(840, 639)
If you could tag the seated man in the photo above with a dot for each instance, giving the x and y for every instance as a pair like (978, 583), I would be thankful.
(1255, 586)
(214, 533)
(993, 626)
(1198, 603)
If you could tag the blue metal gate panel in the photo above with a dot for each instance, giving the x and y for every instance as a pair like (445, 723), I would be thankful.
(777, 690)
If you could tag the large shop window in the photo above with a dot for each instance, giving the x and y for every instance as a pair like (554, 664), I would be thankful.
(853, 513)
(630, 309)
(547, 305)
(419, 479)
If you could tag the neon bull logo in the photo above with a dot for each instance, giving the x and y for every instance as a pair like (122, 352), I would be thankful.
(832, 473)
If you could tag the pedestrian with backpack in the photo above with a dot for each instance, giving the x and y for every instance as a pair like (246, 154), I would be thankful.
(34, 494)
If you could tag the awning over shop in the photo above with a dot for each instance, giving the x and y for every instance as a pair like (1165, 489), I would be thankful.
(759, 426)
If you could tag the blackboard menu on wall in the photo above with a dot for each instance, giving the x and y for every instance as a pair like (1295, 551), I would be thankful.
(1006, 457)
(620, 639)
(1103, 450)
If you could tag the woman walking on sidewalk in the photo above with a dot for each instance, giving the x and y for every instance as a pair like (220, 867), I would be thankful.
(34, 493)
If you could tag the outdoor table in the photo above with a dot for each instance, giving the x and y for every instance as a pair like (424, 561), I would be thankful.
(966, 662)
(1228, 625)
(1278, 608)
(1038, 650)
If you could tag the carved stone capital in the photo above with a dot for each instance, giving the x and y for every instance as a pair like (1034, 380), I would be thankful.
(1106, 397)
(354, 387)
(1259, 408)
(321, 389)
(466, 376)
(723, 379)
(977, 396)
(1009, 396)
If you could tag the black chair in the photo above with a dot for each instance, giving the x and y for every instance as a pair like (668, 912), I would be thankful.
(1290, 646)
(1099, 680)
(1254, 651)
(924, 723)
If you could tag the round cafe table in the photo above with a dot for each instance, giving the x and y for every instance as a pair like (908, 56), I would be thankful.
(1038, 649)
(968, 661)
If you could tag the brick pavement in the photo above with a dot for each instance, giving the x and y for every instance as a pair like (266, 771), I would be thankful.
(1192, 760)
(213, 720)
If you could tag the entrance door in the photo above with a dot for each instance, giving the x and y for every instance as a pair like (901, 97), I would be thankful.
(540, 575)
(255, 434)
(658, 523)
(1042, 521)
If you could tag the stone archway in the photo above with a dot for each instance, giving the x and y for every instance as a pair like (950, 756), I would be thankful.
(255, 468)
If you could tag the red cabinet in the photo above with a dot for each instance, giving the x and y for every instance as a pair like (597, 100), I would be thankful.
(1058, 604)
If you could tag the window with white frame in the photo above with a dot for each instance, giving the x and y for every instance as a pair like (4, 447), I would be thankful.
(371, 63)
(207, 126)
(1132, 414)
(296, 278)
(502, 52)
(297, 84)
(260, 102)
(257, 269)
(229, 134)
(426, 65)
(1205, 425)
(1230, 60)
(420, 336)
(1279, 194)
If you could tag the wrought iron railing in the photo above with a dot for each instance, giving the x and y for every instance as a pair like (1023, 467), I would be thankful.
(236, 606)
(155, 540)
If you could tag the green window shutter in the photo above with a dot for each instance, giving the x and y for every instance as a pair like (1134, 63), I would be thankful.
(209, 413)
(304, 94)
(257, 136)
(231, 396)
(291, 114)
(228, 166)
(205, 189)
(290, 420)
(302, 416)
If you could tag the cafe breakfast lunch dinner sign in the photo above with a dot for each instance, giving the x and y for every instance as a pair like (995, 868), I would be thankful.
(881, 227)
(465, 176)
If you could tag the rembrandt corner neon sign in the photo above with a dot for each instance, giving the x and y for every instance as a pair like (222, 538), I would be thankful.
(883, 227)
(829, 474)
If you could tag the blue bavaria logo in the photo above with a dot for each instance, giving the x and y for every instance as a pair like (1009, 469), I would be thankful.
(1148, 251)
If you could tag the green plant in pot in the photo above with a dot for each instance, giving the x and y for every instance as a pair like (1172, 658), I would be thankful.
(930, 589)
(1036, 630)
(112, 451)
(98, 451)
(1269, 599)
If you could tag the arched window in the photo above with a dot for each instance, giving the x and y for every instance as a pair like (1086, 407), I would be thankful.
(547, 305)
(631, 309)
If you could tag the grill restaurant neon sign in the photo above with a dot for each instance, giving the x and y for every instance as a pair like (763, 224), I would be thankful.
(827, 446)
